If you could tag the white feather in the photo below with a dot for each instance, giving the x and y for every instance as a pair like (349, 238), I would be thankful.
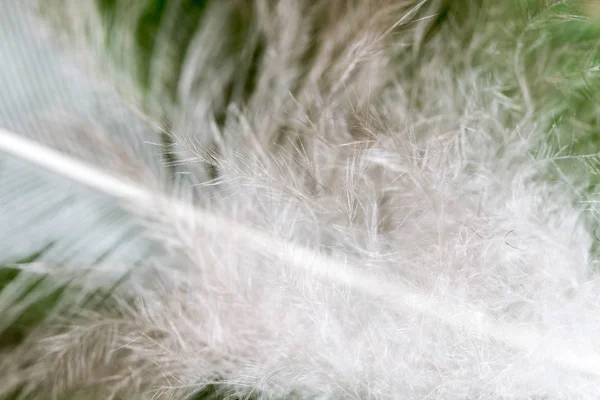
(415, 234)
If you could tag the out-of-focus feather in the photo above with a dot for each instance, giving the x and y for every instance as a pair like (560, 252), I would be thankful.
(374, 217)
(41, 96)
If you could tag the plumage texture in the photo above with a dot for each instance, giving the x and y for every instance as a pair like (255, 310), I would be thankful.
(322, 199)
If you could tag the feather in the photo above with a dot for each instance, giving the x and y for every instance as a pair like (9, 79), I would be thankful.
(377, 217)
(295, 256)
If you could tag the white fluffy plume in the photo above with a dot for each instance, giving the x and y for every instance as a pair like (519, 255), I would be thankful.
(367, 211)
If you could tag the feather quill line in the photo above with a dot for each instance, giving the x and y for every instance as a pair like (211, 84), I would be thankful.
(393, 293)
